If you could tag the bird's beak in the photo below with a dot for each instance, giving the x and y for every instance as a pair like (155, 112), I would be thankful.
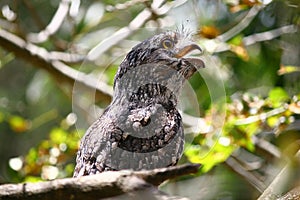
(187, 48)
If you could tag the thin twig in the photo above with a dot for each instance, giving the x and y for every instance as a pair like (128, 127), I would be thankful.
(238, 168)
(220, 46)
(124, 32)
(121, 34)
(125, 5)
(260, 117)
(267, 147)
(66, 57)
(269, 35)
(7, 25)
(241, 25)
(54, 24)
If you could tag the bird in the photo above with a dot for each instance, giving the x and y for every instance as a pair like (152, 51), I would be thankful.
(142, 128)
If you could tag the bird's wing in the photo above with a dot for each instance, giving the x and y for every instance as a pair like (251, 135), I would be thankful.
(145, 138)
(95, 147)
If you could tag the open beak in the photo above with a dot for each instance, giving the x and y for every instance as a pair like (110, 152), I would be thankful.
(196, 62)
(187, 49)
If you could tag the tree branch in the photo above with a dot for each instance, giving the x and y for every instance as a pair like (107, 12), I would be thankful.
(286, 178)
(54, 24)
(248, 176)
(241, 25)
(103, 185)
(66, 57)
(41, 58)
(269, 35)
(293, 194)
(158, 176)
(121, 34)
(221, 46)
(125, 5)
(260, 117)
(126, 31)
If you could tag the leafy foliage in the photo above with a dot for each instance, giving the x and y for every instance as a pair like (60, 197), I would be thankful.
(253, 44)
(51, 158)
(246, 117)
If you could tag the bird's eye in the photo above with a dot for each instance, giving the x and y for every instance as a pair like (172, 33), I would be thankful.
(167, 43)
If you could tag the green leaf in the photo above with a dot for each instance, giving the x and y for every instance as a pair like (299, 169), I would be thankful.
(58, 135)
(273, 121)
(69, 169)
(18, 124)
(110, 72)
(33, 179)
(237, 40)
(288, 69)
(6, 59)
(32, 156)
(277, 97)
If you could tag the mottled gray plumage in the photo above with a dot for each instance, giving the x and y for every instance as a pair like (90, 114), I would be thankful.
(141, 128)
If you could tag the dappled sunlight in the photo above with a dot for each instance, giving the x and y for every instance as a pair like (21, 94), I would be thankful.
(240, 114)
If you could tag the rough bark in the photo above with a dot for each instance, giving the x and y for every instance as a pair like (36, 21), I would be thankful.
(129, 184)
(293, 194)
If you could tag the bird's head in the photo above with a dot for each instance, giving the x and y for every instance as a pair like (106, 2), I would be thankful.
(168, 49)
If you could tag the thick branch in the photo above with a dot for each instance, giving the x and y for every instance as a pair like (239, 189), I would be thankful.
(41, 58)
(286, 178)
(157, 176)
(292, 194)
(104, 185)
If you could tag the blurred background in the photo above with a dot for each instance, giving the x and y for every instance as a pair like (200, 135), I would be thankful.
(241, 114)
